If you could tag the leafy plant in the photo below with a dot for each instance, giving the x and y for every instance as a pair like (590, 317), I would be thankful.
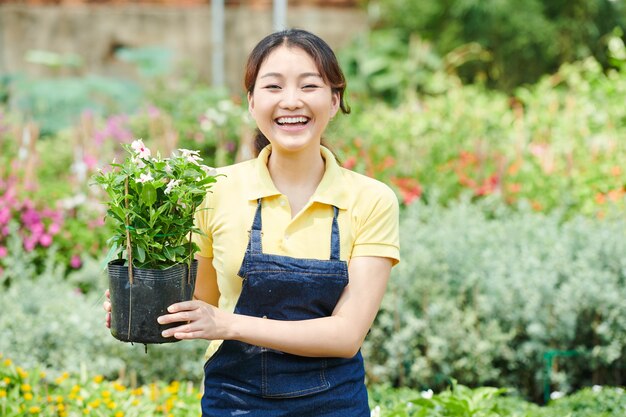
(152, 202)
(484, 291)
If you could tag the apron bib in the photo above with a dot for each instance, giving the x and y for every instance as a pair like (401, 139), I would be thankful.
(244, 379)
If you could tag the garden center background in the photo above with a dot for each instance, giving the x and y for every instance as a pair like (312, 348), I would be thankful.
(500, 124)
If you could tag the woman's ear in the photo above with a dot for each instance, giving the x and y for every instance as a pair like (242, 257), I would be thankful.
(251, 103)
(334, 103)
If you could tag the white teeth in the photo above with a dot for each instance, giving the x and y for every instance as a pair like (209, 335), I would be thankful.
(283, 120)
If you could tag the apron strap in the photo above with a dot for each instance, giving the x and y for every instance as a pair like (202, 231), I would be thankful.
(334, 237)
(255, 233)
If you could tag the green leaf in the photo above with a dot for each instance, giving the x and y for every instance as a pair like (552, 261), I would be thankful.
(148, 195)
(141, 254)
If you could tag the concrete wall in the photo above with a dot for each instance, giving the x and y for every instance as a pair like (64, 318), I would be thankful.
(95, 31)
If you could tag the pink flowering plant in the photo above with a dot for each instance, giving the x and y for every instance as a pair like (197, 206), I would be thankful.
(152, 201)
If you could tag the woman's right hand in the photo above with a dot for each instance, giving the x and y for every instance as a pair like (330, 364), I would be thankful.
(107, 307)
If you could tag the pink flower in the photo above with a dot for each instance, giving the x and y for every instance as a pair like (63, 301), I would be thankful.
(5, 215)
(29, 244)
(54, 229)
(76, 262)
(3, 251)
(142, 151)
(45, 240)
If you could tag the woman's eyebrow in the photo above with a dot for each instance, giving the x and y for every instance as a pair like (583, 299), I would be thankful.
(303, 75)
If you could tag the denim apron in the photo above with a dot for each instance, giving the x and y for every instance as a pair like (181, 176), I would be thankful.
(247, 380)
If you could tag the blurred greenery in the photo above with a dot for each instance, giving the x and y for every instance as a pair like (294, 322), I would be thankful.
(525, 39)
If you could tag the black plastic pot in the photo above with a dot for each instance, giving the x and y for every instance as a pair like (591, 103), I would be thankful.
(135, 308)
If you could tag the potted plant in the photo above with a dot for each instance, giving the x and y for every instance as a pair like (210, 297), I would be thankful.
(151, 205)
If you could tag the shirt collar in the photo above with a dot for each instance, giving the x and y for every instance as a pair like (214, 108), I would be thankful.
(331, 190)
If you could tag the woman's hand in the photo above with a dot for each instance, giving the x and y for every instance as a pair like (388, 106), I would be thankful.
(203, 321)
(107, 307)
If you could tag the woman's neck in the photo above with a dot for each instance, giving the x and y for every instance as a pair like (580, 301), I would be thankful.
(296, 175)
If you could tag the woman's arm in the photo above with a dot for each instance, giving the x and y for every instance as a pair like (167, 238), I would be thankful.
(339, 335)
(206, 282)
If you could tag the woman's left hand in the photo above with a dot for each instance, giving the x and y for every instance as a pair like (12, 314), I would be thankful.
(198, 319)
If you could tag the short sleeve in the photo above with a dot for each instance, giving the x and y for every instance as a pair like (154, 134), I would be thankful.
(202, 221)
(377, 233)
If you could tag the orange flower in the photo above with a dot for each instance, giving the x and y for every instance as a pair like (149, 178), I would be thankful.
(616, 171)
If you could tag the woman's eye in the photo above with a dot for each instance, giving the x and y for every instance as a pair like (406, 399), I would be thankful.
(272, 86)
(311, 86)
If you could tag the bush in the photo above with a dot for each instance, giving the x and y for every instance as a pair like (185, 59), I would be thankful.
(65, 331)
(482, 297)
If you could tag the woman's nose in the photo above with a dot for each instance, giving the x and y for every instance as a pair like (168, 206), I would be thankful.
(291, 98)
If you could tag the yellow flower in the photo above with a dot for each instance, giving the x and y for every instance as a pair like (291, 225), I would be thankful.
(7, 362)
(3, 393)
(95, 403)
(42, 374)
(98, 379)
(59, 399)
(119, 387)
(61, 407)
(86, 411)
(119, 414)
(6, 380)
(112, 405)
(34, 410)
(28, 396)
(137, 391)
(135, 402)
(22, 373)
(106, 394)
(26, 387)
(75, 389)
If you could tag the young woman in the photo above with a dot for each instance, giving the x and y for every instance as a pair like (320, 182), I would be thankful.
(297, 251)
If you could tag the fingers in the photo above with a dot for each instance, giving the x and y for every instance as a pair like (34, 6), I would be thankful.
(185, 305)
(175, 318)
(107, 307)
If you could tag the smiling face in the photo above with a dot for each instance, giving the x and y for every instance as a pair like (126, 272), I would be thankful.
(291, 102)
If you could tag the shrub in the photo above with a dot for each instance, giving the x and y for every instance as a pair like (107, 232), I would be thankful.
(65, 331)
(482, 297)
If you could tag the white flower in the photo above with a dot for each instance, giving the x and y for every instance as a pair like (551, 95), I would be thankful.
(141, 149)
(140, 164)
(171, 185)
(209, 170)
(168, 168)
(427, 394)
(144, 178)
(556, 395)
(191, 156)
(596, 388)
(206, 125)
(375, 412)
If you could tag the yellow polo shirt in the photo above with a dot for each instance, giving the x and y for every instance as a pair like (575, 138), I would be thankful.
(368, 220)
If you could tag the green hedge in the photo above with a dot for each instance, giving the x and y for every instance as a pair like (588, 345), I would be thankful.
(48, 323)
(483, 292)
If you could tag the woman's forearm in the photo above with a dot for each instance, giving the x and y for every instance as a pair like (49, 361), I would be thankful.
(323, 337)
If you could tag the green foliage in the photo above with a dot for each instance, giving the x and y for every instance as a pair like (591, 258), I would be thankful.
(554, 144)
(152, 202)
(56, 103)
(66, 332)
(480, 298)
(460, 401)
(525, 38)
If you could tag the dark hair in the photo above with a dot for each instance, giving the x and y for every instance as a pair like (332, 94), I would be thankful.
(322, 55)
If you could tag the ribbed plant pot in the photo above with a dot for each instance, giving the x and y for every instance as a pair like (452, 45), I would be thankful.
(135, 307)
